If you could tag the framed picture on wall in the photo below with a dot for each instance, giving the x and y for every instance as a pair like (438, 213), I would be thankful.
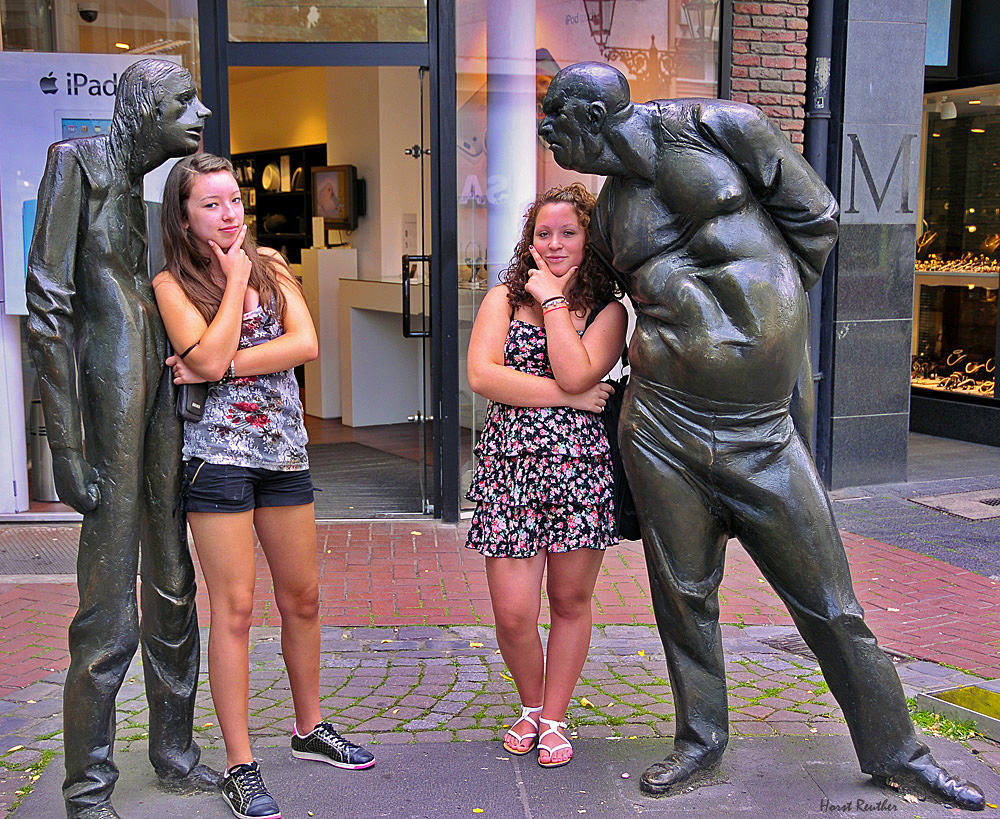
(335, 196)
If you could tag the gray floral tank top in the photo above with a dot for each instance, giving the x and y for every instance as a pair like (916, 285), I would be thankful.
(254, 421)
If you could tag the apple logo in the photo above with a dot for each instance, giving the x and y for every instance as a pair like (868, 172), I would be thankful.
(48, 84)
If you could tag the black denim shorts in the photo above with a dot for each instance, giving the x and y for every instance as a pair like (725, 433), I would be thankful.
(227, 488)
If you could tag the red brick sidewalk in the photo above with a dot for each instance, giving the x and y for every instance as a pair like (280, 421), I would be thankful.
(390, 573)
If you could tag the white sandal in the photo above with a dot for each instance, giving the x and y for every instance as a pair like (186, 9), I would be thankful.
(554, 727)
(526, 716)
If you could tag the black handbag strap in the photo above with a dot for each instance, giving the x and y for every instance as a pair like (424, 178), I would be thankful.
(188, 350)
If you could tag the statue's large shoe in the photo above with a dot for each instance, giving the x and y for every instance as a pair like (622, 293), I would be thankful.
(200, 779)
(101, 811)
(679, 770)
(924, 777)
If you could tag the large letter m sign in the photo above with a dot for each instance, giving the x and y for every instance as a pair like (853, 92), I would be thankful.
(878, 196)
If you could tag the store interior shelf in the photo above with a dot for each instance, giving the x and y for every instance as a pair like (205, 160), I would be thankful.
(290, 170)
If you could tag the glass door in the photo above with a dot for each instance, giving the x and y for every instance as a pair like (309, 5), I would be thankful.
(417, 269)
(505, 57)
(336, 178)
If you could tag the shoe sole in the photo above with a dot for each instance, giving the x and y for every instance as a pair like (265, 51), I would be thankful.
(244, 816)
(519, 751)
(321, 758)
(555, 764)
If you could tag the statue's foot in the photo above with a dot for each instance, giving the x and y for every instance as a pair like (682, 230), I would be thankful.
(681, 769)
(102, 811)
(924, 777)
(200, 779)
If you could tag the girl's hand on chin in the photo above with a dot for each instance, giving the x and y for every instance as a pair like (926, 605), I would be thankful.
(234, 262)
(542, 284)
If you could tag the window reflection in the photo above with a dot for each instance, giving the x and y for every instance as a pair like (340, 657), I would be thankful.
(666, 49)
(335, 21)
(150, 28)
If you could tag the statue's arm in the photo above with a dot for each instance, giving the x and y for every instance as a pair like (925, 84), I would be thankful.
(51, 335)
(599, 234)
(801, 206)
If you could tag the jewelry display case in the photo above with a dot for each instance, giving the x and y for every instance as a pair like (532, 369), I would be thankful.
(955, 327)
(958, 253)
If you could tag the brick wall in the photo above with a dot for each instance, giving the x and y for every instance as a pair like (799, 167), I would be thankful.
(769, 61)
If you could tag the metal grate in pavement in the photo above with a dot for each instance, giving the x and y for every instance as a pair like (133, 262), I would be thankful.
(983, 504)
(794, 644)
(38, 549)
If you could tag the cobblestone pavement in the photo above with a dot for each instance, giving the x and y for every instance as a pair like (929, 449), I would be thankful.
(419, 573)
(418, 684)
(405, 607)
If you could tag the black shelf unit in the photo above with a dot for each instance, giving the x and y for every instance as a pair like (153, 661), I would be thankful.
(291, 208)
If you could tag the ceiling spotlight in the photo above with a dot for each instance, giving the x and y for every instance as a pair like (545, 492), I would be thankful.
(948, 110)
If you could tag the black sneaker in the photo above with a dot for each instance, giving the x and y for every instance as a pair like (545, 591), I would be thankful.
(324, 744)
(244, 791)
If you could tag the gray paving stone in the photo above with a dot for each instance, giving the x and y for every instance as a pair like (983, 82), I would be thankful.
(397, 645)
(370, 633)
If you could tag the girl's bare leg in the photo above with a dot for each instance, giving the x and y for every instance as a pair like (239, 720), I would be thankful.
(288, 537)
(570, 584)
(515, 585)
(224, 543)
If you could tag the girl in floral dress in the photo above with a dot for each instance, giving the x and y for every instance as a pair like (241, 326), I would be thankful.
(238, 319)
(543, 340)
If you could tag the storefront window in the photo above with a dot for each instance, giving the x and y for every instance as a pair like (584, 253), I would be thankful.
(958, 250)
(506, 56)
(333, 21)
(155, 28)
(59, 64)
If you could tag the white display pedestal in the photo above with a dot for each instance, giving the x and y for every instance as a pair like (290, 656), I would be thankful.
(322, 270)
(380, 369)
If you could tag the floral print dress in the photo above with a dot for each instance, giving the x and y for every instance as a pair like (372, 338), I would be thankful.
(543, 480)
(253, 421)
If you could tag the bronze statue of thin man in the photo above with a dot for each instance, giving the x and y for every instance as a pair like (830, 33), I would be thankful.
(716, 227)
(98, 345)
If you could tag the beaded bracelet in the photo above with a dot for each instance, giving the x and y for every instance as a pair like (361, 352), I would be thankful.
(554, 303)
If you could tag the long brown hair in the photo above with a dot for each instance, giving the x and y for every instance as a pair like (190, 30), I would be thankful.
(593, 284)
(188, 264)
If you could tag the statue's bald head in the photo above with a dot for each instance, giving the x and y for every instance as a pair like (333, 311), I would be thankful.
(594, 82)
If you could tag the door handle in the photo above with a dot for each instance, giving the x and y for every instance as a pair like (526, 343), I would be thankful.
(408, 331)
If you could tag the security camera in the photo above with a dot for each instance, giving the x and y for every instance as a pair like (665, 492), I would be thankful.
(88, 11)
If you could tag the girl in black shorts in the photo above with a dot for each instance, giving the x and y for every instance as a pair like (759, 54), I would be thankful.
(239, 319)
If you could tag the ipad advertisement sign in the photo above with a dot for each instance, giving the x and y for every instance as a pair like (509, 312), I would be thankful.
(46, 98)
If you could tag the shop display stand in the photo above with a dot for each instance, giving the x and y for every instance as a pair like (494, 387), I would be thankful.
(277, 196)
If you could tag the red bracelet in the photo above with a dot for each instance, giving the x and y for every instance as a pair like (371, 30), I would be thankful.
(557, 307)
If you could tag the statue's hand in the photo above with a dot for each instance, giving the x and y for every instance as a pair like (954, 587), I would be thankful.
(76, 480)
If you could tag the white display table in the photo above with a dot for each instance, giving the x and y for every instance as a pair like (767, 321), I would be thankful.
(322, 272)
(380, 370)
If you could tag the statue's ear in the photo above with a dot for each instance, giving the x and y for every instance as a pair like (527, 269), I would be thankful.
(596, 115)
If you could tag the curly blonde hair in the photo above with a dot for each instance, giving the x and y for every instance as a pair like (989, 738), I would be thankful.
(593, 285)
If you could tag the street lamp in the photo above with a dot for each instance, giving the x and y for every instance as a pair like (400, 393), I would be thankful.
(645, 64)
(600, 16)
(699, 16)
